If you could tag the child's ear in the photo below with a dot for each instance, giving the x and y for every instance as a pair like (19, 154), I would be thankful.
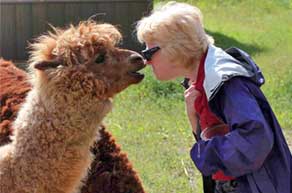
(44, 65)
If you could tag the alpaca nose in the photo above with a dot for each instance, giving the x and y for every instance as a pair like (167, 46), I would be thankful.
(135, 58)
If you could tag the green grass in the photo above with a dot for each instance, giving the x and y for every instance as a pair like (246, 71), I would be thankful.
(149, 119)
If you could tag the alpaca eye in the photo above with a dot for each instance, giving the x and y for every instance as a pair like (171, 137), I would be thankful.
(100, 58)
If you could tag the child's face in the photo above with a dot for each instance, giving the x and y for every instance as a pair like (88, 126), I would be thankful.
(162, 67)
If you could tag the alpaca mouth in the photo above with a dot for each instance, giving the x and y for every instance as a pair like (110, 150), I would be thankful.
(136, 74)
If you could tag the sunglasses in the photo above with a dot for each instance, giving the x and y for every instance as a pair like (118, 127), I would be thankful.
(148, 53)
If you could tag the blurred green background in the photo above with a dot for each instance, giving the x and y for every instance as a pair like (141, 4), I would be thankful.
(149, 119)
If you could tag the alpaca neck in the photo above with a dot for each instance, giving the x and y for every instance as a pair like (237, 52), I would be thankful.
(52, 139)
(61, 113)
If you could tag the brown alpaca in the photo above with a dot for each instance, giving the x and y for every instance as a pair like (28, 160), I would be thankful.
(13, 89)
(74, 75)
(110, 172)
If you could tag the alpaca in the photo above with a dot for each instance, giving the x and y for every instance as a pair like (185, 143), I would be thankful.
(13, 89)
(74, 75)
(110, 171)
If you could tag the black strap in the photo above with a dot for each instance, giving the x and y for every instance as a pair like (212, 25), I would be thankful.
(208, 184)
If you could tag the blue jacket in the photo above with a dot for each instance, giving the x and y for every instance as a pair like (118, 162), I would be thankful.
(255, 150)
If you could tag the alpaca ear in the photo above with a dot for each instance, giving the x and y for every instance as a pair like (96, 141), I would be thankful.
(44, 65)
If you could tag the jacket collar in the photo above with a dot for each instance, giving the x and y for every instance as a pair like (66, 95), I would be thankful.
(220, 67)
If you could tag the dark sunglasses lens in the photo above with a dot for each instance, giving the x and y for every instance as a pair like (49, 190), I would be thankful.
(147, 54)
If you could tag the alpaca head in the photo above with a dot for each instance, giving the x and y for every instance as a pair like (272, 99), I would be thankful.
(84, 60)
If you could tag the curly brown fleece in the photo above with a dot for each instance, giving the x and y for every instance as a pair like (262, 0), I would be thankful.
(110, 171)
(13, 89)
(57, 124)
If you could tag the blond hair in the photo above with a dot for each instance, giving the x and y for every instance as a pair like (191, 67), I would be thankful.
(178, 29)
